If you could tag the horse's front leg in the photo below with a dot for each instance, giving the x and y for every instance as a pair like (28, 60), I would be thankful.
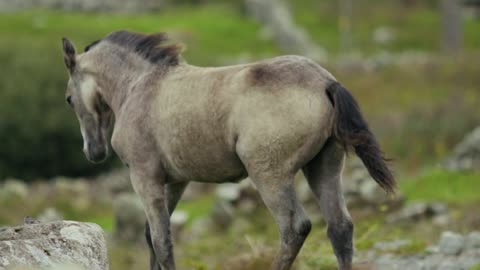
(151, 189)
(174, 192)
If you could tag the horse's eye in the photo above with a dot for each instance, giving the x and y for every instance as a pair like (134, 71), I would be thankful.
(69, 100)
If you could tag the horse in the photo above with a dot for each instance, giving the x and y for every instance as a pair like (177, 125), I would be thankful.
(172, 123)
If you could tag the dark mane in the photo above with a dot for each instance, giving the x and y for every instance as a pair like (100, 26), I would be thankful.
(153, 47)
(91, 45)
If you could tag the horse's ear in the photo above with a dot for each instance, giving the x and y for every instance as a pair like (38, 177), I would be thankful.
(69, 54)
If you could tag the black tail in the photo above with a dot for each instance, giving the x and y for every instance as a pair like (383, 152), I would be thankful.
(351, 130)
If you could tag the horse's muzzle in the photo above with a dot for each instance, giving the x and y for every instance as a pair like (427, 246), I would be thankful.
(96, 153)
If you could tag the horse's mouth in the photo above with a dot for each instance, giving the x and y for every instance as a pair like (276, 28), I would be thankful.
(97, 154)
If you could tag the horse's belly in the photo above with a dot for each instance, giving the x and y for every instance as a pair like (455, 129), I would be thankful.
(204, 163)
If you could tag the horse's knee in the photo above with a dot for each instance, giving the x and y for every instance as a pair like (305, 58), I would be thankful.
(303, 228)
(341, 235)
(297, 233)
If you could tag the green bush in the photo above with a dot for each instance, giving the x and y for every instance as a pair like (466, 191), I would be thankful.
(39, 135)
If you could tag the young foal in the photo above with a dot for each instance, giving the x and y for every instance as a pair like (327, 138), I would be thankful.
(176, 123)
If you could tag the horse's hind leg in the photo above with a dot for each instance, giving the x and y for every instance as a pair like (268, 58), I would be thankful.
(324, 177)
(279, 196)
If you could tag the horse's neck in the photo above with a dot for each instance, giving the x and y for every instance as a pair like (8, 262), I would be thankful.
(120, 85)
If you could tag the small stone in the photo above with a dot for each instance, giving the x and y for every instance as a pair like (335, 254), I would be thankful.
(466, 155)
(438, 208)
(50, 214)
(228, 192)
(442, 220)
(473, 240)
(177, 221)
(393, 245)
(413, 211)
(30, 220)
(450, 265)
(451, 243)
(432, 250)
(371, 192)
(383, 35)
(129, 218)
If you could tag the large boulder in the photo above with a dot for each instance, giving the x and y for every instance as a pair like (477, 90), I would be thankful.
(466, 155)
(48, 245)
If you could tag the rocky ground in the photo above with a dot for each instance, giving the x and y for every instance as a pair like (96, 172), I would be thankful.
(453, 252)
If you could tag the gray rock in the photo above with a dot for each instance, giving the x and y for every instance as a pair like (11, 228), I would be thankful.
(178, 220)
(412, 211)
(393, 245)
(50, 214)
(420, 210)
(48, 245)
(438, 208)
(359, 188)
(466, 155)
(383, 35)
(60, 266)
(449, 255)
(450, 265)
(228, 192)
(473, 240)
(129, 218)
(371, 192)
(432, 250)
(441, 220)
(115, 182)
(451, 243)
(30, 220)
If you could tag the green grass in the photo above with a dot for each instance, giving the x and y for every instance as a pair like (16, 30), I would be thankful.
(440, 185)
(475, 267)
(206, 29)
(105, 221)
(197, 208)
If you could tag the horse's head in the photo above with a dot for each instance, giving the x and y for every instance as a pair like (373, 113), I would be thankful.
(93, 113)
